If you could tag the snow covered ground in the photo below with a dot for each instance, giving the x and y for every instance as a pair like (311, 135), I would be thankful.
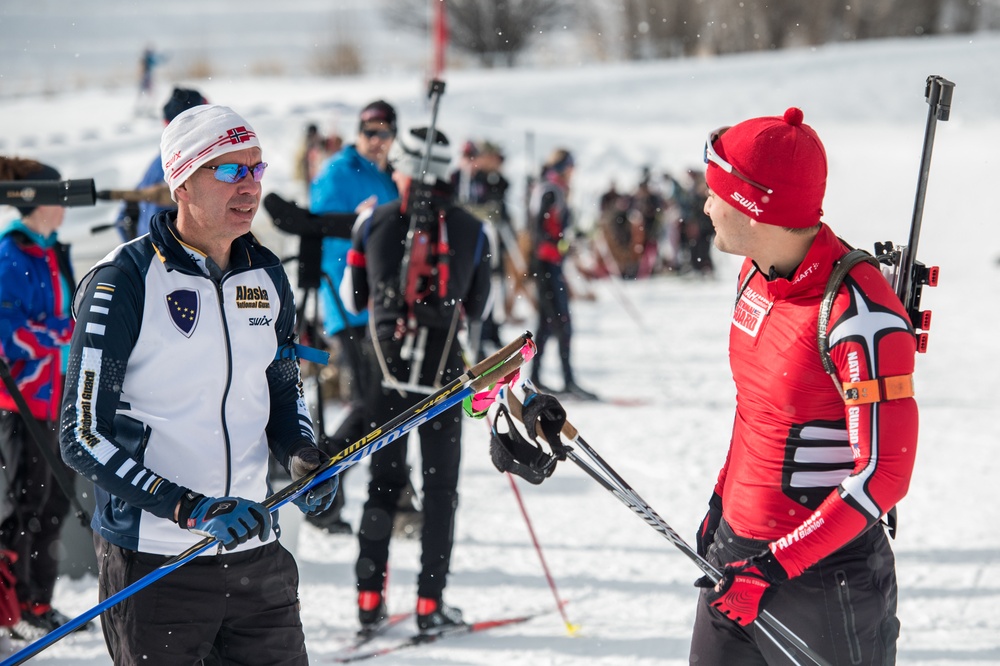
(628, 589)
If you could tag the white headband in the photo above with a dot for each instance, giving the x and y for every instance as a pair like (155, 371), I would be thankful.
(198, 135)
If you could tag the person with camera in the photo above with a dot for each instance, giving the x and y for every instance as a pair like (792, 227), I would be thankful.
(36, 281)
(356, 178)
(183, 377)
(795, 522)
(415, 311)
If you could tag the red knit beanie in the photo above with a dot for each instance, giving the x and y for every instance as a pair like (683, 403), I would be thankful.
(780, 154)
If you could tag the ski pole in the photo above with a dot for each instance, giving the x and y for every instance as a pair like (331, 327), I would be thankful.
(571, 628)
(480, 409)
(488, 371)
(615, 279)
(607, 477)
(35, 431)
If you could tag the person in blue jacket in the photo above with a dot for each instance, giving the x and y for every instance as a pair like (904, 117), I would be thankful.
(180, 100)
(36, 282)
(355, 179)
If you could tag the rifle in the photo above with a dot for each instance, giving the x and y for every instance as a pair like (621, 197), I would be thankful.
(908, 276)
(77, 192)
(419, 203)
(155, 194)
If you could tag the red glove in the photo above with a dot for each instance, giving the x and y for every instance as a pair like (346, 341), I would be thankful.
(740, 593)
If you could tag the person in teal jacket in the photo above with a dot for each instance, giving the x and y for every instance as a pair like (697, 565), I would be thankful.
(356, 179)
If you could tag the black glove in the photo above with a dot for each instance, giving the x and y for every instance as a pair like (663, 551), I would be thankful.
(706, 533)
(231, 520)
(319, 497)
(745, 587)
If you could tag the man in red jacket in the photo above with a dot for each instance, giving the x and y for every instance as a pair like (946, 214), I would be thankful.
(795, 523)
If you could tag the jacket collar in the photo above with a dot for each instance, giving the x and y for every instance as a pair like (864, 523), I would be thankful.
(247, 251)
(810, 276)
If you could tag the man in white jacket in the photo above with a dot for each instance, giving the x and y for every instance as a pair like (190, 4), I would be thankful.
(182, 377)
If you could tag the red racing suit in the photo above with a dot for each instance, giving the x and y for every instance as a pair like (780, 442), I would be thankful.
(805, 470)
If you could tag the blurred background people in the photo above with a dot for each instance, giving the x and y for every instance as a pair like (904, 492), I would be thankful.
(133, 219)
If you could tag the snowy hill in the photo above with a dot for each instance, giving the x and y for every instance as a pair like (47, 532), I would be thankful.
(628, 588)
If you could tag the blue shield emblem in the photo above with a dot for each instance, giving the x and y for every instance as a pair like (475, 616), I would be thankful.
(183, 306)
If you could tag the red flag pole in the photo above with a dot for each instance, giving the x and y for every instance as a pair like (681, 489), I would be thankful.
(440, 37)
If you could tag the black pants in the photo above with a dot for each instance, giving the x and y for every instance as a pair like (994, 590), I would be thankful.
(237, 608)
(40, 507)
(440, 456)
(553, 317)
(843, 607)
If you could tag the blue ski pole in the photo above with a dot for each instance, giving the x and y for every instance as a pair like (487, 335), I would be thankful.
(488, 371)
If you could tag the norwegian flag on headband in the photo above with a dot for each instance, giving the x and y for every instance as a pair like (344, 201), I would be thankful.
(239, 134)
(200, 134)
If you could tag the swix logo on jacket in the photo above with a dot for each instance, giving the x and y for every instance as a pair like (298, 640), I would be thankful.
(811, 473)
(172, 387)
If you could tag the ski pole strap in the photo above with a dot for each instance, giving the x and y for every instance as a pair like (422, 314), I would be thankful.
(878, 390)
(477, 404)
(542, 413)
(512, 453)
(295, 350)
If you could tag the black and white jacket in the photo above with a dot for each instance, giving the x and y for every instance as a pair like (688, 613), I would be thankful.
(178, 381)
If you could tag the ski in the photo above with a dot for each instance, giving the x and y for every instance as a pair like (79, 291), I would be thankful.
(366, 635)
(424, 639)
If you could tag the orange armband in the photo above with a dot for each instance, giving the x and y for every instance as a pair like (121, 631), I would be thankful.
(879, 389)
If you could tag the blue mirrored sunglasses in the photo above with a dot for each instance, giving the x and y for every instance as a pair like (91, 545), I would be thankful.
(234, 173)
(383, 134)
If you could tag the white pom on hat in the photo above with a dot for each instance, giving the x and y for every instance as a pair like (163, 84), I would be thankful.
(199, 135)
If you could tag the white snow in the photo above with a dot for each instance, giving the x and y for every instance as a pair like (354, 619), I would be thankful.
(628, 589)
